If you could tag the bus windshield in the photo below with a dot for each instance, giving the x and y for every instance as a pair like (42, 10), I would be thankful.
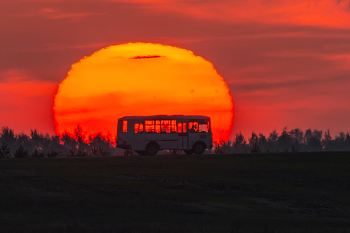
(198, 126)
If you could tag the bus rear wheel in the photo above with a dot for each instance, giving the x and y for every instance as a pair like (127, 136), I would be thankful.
(198, 148)
(152, 148)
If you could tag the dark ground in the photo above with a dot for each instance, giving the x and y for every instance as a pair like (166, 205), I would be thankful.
(285, 192)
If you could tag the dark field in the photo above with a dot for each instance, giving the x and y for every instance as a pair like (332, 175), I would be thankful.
(287, 192)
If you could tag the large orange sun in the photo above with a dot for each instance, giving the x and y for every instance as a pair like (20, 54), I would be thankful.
(141, 79)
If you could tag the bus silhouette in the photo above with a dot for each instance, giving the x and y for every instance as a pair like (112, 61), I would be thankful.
(149, 134)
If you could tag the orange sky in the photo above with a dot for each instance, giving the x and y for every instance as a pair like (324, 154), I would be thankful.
(286, 63)
(141, 79)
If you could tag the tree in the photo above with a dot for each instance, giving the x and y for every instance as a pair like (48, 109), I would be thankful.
(4, 151)
(240, 143)
(68, 140)
(21, 153)
(327, 143)
(24, 141)
(297, 137)
(313, 140)
(80, 137)
(8, 137)
(253, 141)
(272, 141)
(262, 142)
(284, 140)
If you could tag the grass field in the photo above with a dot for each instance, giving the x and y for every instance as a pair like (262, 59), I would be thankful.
(285, 192)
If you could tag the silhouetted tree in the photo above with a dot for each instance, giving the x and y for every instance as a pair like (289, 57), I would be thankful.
(68, 141)
(8, 137)
(240, 144)
(24, 141)
(313, 140)
(81, 137)
(347, 142)
(100, 145)
(4, 151)
(262, 142)
(272, 141)
(37, 154)
(327, 143)
(340, 141)
(284, 141)
(297, 137)
(21, 153)
(253, 141)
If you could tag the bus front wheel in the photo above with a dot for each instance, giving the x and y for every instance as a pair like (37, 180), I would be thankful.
(199, 148)
(152, 148)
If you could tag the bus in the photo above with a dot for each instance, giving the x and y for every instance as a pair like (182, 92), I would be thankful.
(150, 134)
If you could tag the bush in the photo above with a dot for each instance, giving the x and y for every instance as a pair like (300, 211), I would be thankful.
(21, 153)
(51, 154)
(4, 152)
(37, 154)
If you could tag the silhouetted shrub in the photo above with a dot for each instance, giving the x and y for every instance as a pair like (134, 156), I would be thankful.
(4, 152)
(255, 149)
(38, 154)
(71, 152)
(21, 153)
(129, 152)
(99, 151)
(51, 154)
(82, 153)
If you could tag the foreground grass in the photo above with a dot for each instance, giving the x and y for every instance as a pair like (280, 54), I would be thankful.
(287, 192)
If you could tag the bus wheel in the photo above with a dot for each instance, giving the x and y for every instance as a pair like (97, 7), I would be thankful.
(198, 148)
(188, 152)
(152, 148)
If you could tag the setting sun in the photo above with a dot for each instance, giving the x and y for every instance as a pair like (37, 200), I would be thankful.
(137, 79)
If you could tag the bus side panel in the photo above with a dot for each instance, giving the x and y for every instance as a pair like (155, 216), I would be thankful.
(139, 142)
(165, 140)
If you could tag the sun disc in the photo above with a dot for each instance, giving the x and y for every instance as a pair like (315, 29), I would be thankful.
(141, 79)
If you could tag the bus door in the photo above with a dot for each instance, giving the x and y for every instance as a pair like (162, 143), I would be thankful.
(139, 137)
(183, 135)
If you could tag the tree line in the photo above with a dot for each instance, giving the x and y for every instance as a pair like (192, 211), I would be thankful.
(37, 145)
(80, 144)
(287, 141)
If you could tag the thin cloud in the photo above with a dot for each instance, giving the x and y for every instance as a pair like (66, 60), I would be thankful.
(327, 13)
(52, 13)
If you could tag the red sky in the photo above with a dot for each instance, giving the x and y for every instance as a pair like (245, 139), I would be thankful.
(287, 63)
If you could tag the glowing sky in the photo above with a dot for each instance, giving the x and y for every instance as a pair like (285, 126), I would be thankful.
(141, 79)
(286, 63)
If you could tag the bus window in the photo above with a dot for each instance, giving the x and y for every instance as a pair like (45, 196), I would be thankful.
(149, 126)
(193, 127)
(179, 127)
(157, 126)
(203, 128)
(138, 128)
(184, 128)
(125, 126)
(173, 126)
(141, 128)
(165, 126)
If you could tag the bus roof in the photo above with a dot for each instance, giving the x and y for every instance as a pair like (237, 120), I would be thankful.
(166, 117)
